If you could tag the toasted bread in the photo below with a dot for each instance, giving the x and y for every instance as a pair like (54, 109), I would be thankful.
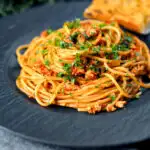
(132, 14)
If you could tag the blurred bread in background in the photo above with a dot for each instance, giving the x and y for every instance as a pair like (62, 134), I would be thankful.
(131, 14)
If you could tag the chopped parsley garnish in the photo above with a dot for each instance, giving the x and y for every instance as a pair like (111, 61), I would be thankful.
(88, 44)
(125, 42)
(70, 45)
(74, 24)
(67, 68)
(106, 68)
(63, 44)
(107, 54)
(46, 62)
(116, 48)
(73, 80)
(77, 61)
(96, 49)
(60, 74)
(115, 55)
(74, 36)
(113, 97)
(49, 31)
(97, 62)
(67, 77)
(97, 86)
(70, 94)
(102, 25)
(127, 74)
(57, 42)
(60, 60)
(121, 47)
(128, 38)
(115, 51)
(92, 33)
(49, 41)
(44, 52)
(94, 68)
(60, 34)
(86, 36)
(129, 85)
(83, 47)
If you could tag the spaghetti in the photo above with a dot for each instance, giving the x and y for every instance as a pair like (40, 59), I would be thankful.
(88, 65)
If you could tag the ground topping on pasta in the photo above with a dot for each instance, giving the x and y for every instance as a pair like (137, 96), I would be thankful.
(88, 65)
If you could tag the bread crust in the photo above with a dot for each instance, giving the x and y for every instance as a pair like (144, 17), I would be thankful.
(131, 14)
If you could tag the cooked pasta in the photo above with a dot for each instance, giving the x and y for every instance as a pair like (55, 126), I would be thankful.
(87, 65)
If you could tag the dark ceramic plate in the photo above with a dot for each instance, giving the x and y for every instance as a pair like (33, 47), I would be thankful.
(58, 125)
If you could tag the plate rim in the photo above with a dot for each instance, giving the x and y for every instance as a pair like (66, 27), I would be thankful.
(40, 141)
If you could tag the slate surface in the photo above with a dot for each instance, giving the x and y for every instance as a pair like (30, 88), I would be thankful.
(9, 141)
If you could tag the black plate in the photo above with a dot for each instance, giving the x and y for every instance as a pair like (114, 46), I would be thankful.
(57, 125)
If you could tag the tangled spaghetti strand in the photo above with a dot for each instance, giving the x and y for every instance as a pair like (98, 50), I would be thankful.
(88, 65)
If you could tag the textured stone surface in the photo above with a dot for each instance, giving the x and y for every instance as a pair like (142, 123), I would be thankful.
(9, 141)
